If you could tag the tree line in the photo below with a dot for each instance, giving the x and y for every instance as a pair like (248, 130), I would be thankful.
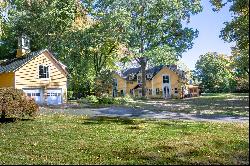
(92, 36)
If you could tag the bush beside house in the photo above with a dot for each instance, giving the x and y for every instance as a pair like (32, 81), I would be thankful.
(15, 104)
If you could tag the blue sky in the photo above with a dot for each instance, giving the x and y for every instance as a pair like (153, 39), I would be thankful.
(209, 25)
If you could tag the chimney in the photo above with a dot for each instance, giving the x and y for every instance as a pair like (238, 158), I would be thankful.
(23, 45)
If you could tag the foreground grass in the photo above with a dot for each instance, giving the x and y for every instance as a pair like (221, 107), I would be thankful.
(62, 139)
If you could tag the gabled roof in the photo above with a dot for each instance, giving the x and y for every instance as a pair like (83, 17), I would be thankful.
(131, 71)
(153, 71)
(13, 65)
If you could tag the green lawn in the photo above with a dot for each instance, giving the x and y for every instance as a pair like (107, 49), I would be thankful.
(213, 103)
(59, 139)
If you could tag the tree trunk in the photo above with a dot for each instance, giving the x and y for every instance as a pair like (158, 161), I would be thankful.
(143, 60)
(143, 71)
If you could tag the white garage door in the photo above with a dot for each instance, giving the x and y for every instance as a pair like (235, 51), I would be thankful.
(54, 96)
(35, 94)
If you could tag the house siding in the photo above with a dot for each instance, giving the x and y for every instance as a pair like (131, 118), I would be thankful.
(28, 76)
(174, 82)
(121, 84)
(7, 80)
(151, 85)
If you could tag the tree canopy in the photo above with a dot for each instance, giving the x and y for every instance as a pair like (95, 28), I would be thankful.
(152, 30)
(237, 31)
(214, 72)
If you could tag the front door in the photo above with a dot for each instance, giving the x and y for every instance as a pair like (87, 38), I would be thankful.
(166, 92)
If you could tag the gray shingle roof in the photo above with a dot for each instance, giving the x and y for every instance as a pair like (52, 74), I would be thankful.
(131, 71)
(153, 70)
(13, 64)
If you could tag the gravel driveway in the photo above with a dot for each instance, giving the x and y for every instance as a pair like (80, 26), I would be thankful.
(137, 113)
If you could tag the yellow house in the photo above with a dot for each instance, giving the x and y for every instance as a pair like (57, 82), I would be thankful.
(161, 82)
(38, 74)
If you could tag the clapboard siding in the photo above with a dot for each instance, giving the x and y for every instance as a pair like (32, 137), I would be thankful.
(7, 80)
(28, 75)
(155, 83)
(174, 80)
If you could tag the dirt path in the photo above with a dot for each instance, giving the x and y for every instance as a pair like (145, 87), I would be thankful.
(143, 113)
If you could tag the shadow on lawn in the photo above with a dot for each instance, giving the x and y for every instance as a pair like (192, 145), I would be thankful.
(12, 120)
(7, 120)
(107, 120)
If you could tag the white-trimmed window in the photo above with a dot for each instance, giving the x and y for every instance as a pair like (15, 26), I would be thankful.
(43, 71)
(165, 79)
(157, 91)
(175, 90)
(130, 77)
(139, 79)
(149, 76)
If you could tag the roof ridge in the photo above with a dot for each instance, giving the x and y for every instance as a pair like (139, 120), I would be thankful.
(17, 62)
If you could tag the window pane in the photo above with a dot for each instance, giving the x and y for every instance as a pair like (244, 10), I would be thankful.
(43, 71)
(165, 79)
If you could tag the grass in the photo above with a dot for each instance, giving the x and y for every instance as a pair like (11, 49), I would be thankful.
(207, 104)
(59, 139)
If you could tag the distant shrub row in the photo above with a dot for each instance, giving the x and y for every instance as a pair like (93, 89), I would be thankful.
(105, 100)
(15, 104)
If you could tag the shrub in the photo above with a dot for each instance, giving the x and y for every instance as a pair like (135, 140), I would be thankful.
(106, 100)
(92, 99)
(123, 100)
(141, 98)
(83, 101)
(15, 104)
(70, 94)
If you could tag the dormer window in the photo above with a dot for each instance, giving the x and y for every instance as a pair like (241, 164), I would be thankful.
(43, 71)
(131, 77)
(149, 76)
(139, 79)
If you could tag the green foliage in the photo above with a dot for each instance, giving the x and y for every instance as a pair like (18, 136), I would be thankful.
(92, 99)
(215, 73)
(103, 82)
(14, 104)
(237, 30)
(70, 94)
(45, 22)
(86, 47)
(106, 99)
(151, 29)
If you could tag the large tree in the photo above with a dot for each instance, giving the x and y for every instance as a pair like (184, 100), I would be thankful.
(44, 21)
(214, 72)
(237, 30)
(90, 52)
(151, 29)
